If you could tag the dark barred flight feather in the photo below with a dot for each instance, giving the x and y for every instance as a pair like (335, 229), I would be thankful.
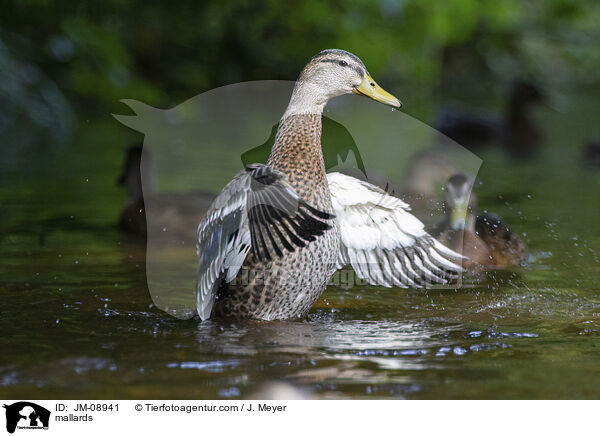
(279, 220)
(258, 211)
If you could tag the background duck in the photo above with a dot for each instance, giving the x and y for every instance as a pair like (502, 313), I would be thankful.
(181, 212)
(515, 131)
(424, 179)
(275, 235)
(484, 239)
(590, 155)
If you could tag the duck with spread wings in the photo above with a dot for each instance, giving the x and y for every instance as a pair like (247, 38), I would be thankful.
(275, 235)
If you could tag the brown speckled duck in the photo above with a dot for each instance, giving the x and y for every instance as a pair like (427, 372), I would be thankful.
(273, 238)
(483, 239)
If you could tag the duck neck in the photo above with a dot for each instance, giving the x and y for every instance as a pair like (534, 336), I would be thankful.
(297, 152)
(471, 222)
(307, 98)
(460, 218)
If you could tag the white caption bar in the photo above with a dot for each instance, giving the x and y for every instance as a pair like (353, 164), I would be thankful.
(161, 417)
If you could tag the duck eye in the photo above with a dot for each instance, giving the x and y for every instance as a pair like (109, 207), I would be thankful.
(343, 63)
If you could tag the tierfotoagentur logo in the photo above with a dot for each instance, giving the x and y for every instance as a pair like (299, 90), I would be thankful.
(25, 415)
(370, 155)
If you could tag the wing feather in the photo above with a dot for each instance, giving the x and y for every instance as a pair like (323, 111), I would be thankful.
(385, 244)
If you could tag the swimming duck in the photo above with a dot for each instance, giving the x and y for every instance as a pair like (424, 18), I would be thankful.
(515, 131)
(485, 240)
(425, 176)
(277, 232)
(180, 211)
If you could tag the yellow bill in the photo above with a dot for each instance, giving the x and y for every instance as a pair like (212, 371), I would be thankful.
(371, 89)
(458, 216)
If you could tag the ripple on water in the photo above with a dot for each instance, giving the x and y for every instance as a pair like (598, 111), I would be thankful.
(211, 366)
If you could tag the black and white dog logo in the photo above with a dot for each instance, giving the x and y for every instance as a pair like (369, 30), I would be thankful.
(26, 415)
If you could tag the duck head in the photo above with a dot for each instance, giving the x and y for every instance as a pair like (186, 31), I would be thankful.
(332, 73)
(460, 203)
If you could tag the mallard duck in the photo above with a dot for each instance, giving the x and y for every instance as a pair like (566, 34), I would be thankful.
(515, 131)
(424, 178)
(276, 233)
(180, 211)
(485, 240)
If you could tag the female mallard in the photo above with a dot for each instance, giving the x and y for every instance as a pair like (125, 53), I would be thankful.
(275, 235)
(483, 239)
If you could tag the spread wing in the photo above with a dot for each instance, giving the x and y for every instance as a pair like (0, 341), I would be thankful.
(258, 211)
(385, 244)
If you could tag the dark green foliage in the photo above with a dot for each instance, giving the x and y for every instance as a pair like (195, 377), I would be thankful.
(164, 52)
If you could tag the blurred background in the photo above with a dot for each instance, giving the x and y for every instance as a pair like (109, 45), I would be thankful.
(65, 68)
(88, 56)
(514, 81)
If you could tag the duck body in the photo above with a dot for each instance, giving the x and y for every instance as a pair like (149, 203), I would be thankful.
(506, 249)
(491, 245)
(286, 287)
(470, 245)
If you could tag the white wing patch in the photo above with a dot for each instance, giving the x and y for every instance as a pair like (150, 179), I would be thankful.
(385, 244)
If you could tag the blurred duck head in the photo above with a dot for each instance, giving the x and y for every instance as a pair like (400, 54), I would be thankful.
(460, 202)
